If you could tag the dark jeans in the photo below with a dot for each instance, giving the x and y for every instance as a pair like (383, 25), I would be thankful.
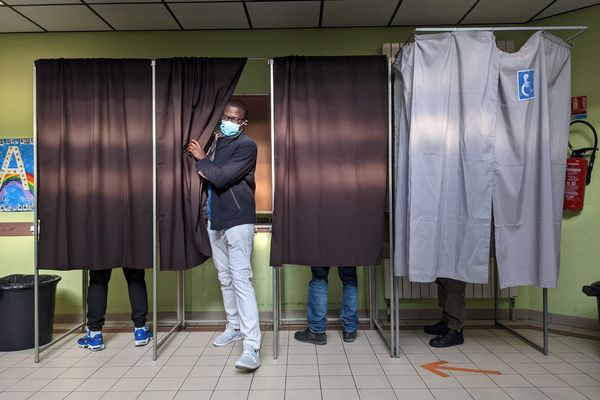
(98, 296)
(317, 299)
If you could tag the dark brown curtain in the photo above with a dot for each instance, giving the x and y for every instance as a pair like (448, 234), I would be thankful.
(331, 147)
(191, 94)
(94, 126)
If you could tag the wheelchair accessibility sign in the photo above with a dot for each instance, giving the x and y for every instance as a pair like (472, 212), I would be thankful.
(525, 80)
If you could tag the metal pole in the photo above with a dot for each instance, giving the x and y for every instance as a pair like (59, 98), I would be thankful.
(372, 304)
(275, 314)
(275, 275)
(393, 304)
(154, 239)
(503, 28)
(183, 299)
(84, 290)
(396, 296)
(36, 316)
(179, 297)
(545, 295)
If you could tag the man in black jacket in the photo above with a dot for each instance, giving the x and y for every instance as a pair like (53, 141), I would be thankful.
(228, 169)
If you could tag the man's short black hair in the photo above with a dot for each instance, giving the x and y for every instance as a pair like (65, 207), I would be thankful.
(239, 104)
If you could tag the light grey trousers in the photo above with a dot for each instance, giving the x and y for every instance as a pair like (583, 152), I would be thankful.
(232, 249)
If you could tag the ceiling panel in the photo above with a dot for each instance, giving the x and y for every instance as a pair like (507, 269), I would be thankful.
(28, 2)
(284, 14)
(204, 1)
(64, 18)
(210, 16)
(121, 1)
(135, 17)
(358, 12)
(562, 6)
(11, 21)
(505, 11)
(431, 12)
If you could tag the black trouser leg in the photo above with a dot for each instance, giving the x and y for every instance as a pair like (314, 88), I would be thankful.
(454, 302)
(97, 298)
(138, 295)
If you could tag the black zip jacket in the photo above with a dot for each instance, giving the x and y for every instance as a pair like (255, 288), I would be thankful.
(231, 173)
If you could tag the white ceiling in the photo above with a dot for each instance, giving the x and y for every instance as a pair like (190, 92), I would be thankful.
(127, 15)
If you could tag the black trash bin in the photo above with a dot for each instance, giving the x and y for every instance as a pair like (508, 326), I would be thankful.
(16, 310)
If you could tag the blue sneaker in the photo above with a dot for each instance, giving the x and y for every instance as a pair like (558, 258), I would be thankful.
(142, 336)
(95, 343)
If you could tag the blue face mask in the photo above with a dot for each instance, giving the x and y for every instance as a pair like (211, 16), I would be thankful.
(229, 128)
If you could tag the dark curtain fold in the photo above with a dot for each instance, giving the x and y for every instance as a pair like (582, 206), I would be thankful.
(191, 94)
(331, 147)
(94, 127)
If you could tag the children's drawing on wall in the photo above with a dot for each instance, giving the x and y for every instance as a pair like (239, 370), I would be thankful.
(16, 174)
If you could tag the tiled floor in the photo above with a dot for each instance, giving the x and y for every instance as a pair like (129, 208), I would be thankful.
(189, 367)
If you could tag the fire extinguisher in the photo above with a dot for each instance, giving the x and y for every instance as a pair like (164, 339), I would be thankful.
(579, 172)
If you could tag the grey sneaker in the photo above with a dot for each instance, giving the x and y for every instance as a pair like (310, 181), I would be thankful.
(250, 359)
(229, 336)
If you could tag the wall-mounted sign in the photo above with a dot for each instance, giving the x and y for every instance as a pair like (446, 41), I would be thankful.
(16, 175)
(579, 107)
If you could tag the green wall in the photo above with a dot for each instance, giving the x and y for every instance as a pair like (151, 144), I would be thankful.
(580, 252)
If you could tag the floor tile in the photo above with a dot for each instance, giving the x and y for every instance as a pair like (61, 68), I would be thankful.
(340, 394)
(367, 369)
(337, 382)
(414, 394)
(194, 395)
(120, 396)
(526, 394)
(451, 394)
(85, 396)
(234, 383)
(78, 372)
(27, 385)
(579, 379)
(15, 395)
(130, 385)
(199, 384)
(563, 394)
(372, 382)
(62, 385)
(514, 381)
(376, 394)
(546, 380)
(488, 394)
(592, 393)
(475, 381)
(439, 382)
(268, 383)
(309, 394)
(406, 382)
(264, 395)
(97, 385)
(302, 370)
(49, 395)
(157, 395)
(336, 370)
(301, 382)
(165, 384)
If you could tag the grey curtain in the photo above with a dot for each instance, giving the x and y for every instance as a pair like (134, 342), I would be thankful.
(331, 149)
(191, 94)
(95, 163)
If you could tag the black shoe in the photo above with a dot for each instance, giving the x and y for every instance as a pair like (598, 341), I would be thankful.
(451, 338)
(441, 328)
(307, 336)
(349, 337)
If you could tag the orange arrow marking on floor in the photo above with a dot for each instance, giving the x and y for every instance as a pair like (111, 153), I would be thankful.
(437, 365)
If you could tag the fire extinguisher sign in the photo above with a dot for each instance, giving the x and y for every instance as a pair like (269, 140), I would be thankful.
(579, 107)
